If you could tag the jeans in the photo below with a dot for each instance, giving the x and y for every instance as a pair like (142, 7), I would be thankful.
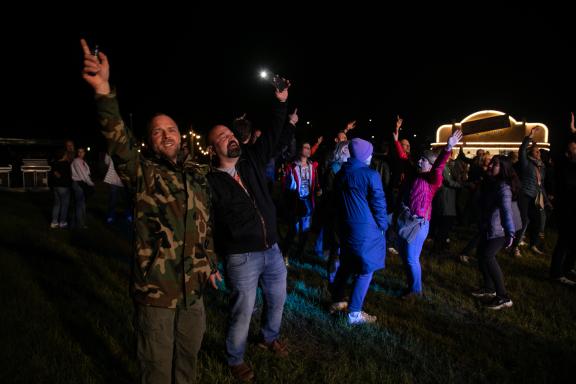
(244, 271)
(168, 341)
(61, 203)
(359, 287)
(410, 254)
(80, 200)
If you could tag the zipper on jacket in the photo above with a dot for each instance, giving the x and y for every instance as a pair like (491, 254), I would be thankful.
(257, 211)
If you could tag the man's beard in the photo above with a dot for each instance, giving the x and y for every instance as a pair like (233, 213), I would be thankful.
(233, 150)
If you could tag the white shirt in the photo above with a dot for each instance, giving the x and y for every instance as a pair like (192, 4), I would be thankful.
(81, 171)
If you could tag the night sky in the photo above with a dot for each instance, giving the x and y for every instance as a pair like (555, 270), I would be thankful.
(429, 73)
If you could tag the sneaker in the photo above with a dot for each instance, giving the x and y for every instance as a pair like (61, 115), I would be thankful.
(242, 372)
(464, 259)
(566, 281)
(536, 250)
(338, 306)
(483, 292)
(522, 243)
(63, 225)
(360, 318)
(392, 251)
(499, 303)
(277, 347)
(53, 225)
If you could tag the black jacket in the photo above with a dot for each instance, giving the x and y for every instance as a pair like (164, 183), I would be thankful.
(247, 223)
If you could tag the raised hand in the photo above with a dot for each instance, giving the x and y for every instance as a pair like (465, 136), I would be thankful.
(293, 117)
(96, 70)
(454, 139)
(282, 96)
(396, 132)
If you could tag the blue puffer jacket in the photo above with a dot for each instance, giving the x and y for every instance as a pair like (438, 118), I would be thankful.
(497, 214)
(362, 218)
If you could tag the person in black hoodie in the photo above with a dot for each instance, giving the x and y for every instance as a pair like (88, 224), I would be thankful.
(497, 229)
(246, 236)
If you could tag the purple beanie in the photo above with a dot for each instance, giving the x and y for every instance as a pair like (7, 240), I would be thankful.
(360, 149)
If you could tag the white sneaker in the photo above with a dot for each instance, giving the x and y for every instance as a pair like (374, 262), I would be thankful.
(53, 225)
(338, 306)
(360, 318)
(567, 281)
(392, 251)
(63, 225)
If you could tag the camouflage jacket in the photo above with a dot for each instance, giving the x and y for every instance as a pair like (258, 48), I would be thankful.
(174, 249)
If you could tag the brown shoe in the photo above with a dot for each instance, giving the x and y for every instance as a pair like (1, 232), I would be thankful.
(242, 372)
(277, 347)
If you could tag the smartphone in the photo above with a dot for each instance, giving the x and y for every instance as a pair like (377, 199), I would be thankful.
(95, 51)
(279, 83)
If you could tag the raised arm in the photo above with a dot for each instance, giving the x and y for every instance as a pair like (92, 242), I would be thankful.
(121, 144)
(266, 147)
(396, 134)
(435, 177)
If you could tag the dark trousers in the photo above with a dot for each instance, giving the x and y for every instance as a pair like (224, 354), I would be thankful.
(531, 217)
(565, 251)
(491, 272)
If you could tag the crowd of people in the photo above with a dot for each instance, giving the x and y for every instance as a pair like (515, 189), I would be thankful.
(360, 204)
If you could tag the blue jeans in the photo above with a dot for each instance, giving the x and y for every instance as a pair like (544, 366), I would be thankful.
(410, 253)
(61, 203)
(80, 200)
(243, 273)
(359, 287)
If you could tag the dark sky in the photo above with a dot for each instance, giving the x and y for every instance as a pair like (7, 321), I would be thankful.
(429, 73)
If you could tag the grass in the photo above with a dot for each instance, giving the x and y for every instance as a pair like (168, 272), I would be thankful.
(67, 317)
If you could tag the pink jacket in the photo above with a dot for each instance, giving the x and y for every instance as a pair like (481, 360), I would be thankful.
(425, 186)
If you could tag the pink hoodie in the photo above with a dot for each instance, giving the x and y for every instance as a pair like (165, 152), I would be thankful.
(426, 184)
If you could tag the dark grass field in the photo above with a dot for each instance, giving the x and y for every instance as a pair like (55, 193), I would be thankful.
(67, 317)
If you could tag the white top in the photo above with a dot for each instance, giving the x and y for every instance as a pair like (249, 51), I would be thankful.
(111, 177)
(81, 171)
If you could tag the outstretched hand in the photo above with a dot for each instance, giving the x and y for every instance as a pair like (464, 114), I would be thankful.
(96, 70)
(350, 125)
(282, 96)
(396, 132)
(454, 139)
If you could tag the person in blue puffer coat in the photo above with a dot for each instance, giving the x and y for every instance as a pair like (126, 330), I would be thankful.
(362, 222)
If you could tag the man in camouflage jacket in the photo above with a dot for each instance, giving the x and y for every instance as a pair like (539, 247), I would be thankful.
(174, 253)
